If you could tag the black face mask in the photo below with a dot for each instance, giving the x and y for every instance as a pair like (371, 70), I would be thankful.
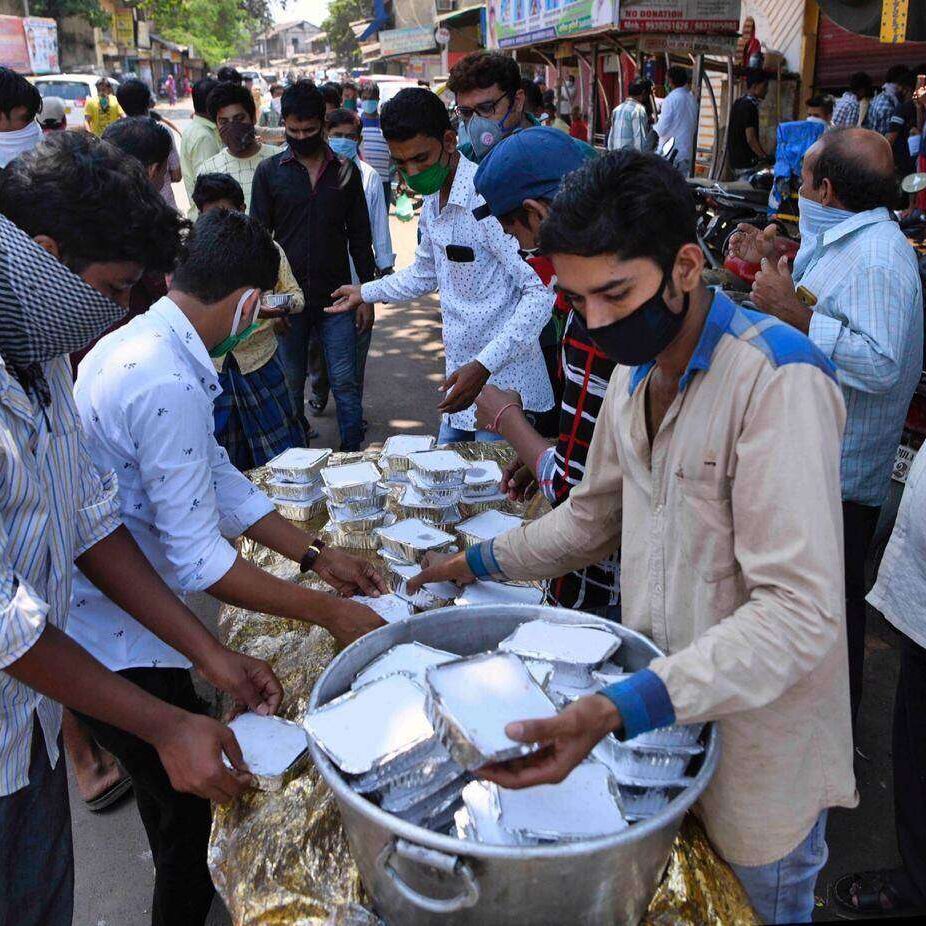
(644, 334)
(305, 146)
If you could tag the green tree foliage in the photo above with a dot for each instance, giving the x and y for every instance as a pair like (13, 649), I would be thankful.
(58, 9)
(343, 42)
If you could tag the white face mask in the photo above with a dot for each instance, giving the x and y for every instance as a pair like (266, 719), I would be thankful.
(275, 104)
(814, 222)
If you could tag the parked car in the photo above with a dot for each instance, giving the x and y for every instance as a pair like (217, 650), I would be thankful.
(74, 89)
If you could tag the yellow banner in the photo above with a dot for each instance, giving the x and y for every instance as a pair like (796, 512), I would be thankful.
(894, 21)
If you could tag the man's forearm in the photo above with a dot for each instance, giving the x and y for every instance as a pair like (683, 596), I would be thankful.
(119, 569)
(278, 534)
(60, 669)
(517, 430)
(247, 586)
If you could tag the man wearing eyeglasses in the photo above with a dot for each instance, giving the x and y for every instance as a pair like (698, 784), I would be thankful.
(490, 103)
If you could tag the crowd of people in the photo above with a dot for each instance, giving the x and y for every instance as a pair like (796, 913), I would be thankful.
(715, 471)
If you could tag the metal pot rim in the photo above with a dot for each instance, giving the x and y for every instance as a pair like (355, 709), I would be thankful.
(674, 810)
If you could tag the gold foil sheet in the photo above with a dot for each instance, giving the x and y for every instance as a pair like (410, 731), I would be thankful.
(282, 858)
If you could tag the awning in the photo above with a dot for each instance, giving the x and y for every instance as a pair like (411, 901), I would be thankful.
(173, 46)
(446, 17)
(371, 52)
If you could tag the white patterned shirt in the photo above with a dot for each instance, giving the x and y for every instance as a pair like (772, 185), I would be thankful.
(242, 169)
(494, 306)
(145, 395)
(54, 506)
(628, 126)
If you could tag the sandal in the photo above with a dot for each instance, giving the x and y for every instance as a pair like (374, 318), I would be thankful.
(317, 405)
(110, 796)
(874, 893)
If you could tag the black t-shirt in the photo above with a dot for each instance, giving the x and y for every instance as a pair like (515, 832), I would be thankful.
(901, 122)
(745, 115)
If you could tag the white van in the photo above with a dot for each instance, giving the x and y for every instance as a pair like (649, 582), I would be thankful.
(74, 89)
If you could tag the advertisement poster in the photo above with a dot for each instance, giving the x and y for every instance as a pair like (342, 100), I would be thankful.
(406, 41)
(42, 43)
(124, 27)
(13, 51)
(524, 22)
(704, 16)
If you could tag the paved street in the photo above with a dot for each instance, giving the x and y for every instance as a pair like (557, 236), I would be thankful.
(113, 865)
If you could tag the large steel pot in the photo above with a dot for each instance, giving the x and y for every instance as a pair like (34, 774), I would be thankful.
(418, 877)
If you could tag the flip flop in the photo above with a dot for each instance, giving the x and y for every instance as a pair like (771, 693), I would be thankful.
(110, 796)
(870, 888)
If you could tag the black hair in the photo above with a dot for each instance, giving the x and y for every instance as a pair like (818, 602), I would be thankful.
(822, 101)
(141, 138)
(414, 111)
(95, 202)
(134, 97)
(370, 90)
(860, 83)
(755, 76)
(902, 75)
(226, 251)
(15, 91)
(639, 86)
(303, 100)
(227, 94)
(484, 69)
(211, 188)
(276, 86)
(342, 117)
(626, 203)
(856, 184)
(533, 97)
(678, 76)
(201, 90)
(332, 95)
(229, 74)
(348, 85)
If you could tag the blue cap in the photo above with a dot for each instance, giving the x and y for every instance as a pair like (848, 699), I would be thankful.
(529, 164)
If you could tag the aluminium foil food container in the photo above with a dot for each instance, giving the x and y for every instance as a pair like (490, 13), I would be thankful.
(471, 505)
(412, 539)
(437, 496)
(355, 508)
(299, 511)
(390, 608)
(489, 592)
(585, 805)
(641, 803)
(351, 480)
(478, 819)
(366, 730)
(411, 658)
(429, 596)
(486, 526)
(298, 464)
(651, 764)
(400, 797)
(361, 524)
(471, 700)
(439, 467)
(284, 491)
(275, 750)
(402, 768)
(414, 505)
(436, 811)
(676, 735)
(573, 649)
(482, 478)
(399, 446)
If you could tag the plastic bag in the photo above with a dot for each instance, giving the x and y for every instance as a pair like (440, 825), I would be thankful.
(403, 208)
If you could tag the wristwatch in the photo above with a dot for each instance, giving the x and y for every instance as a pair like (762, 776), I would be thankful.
(307, 563)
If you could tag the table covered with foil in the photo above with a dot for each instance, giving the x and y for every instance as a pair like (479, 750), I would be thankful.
(282, 857)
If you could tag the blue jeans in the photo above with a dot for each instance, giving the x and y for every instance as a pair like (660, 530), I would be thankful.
(782, 891)
(36, 854)
(339, 342)
(448, 434)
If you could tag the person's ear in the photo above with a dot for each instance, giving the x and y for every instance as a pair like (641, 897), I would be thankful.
(48, 244)
(827, 196)
(689, 264)
(450, 141)
(518, 101)
(537, 211)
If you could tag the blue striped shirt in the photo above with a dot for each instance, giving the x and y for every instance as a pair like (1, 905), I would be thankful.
(868, 320)
(374, 149)
(54, 505)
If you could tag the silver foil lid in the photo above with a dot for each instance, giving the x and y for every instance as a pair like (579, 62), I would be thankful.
(488, 525)
(271, 747)
(350, 474)
(482, 592)
(401, 445)
(584, 805)
(413, 659)
(373, 726)
(561, 643)
(471, 700)
(482, 473)
(390, 608)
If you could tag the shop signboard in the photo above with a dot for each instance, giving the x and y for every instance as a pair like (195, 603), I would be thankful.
(685, 16)
(42, 44)
(406, 41)
(525, 22)
(124, 27)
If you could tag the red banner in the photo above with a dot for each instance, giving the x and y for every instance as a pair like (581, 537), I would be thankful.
(14, 52)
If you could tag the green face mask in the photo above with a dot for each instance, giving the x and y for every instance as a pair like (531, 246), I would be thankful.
(233, 340)
(429, 180)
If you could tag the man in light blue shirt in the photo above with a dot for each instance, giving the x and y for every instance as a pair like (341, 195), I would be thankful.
(860, 300)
